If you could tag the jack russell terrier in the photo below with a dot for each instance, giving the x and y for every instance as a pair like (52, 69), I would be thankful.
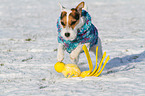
(74, 30)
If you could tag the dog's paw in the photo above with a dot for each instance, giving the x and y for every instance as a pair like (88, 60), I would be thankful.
(60, 57)
(74, 57)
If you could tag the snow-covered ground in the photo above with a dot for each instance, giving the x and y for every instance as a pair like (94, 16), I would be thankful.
(28, 43)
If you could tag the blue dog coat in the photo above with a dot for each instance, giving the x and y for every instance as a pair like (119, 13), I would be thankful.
(87, 34)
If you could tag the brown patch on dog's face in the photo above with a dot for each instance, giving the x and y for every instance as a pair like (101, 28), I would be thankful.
(63, 19)
(70, 18)
(74, 17)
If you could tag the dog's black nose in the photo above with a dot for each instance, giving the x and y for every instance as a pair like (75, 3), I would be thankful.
(67, 34)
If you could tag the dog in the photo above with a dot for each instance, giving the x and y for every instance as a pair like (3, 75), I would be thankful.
(74, 30)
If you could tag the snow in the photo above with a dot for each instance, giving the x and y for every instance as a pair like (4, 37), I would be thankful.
(28, 43)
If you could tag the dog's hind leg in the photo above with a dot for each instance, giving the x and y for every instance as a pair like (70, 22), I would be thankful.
(93, 49)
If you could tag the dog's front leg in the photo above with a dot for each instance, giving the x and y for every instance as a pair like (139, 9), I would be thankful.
(60, 54)
(74, 55)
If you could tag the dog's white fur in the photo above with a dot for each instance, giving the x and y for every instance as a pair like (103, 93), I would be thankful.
(74, 55)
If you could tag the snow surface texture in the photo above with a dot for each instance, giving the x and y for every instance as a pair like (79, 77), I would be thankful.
(28, 48)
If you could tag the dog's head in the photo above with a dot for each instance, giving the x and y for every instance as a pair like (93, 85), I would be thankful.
(71, 21)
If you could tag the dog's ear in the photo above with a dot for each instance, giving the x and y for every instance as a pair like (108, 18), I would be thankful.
(62, 7)
(80, 6)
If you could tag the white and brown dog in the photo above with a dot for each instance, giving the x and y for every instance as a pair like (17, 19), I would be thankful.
(74, 30)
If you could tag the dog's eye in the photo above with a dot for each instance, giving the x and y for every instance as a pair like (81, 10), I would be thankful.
(73, 22)
(63, 23)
